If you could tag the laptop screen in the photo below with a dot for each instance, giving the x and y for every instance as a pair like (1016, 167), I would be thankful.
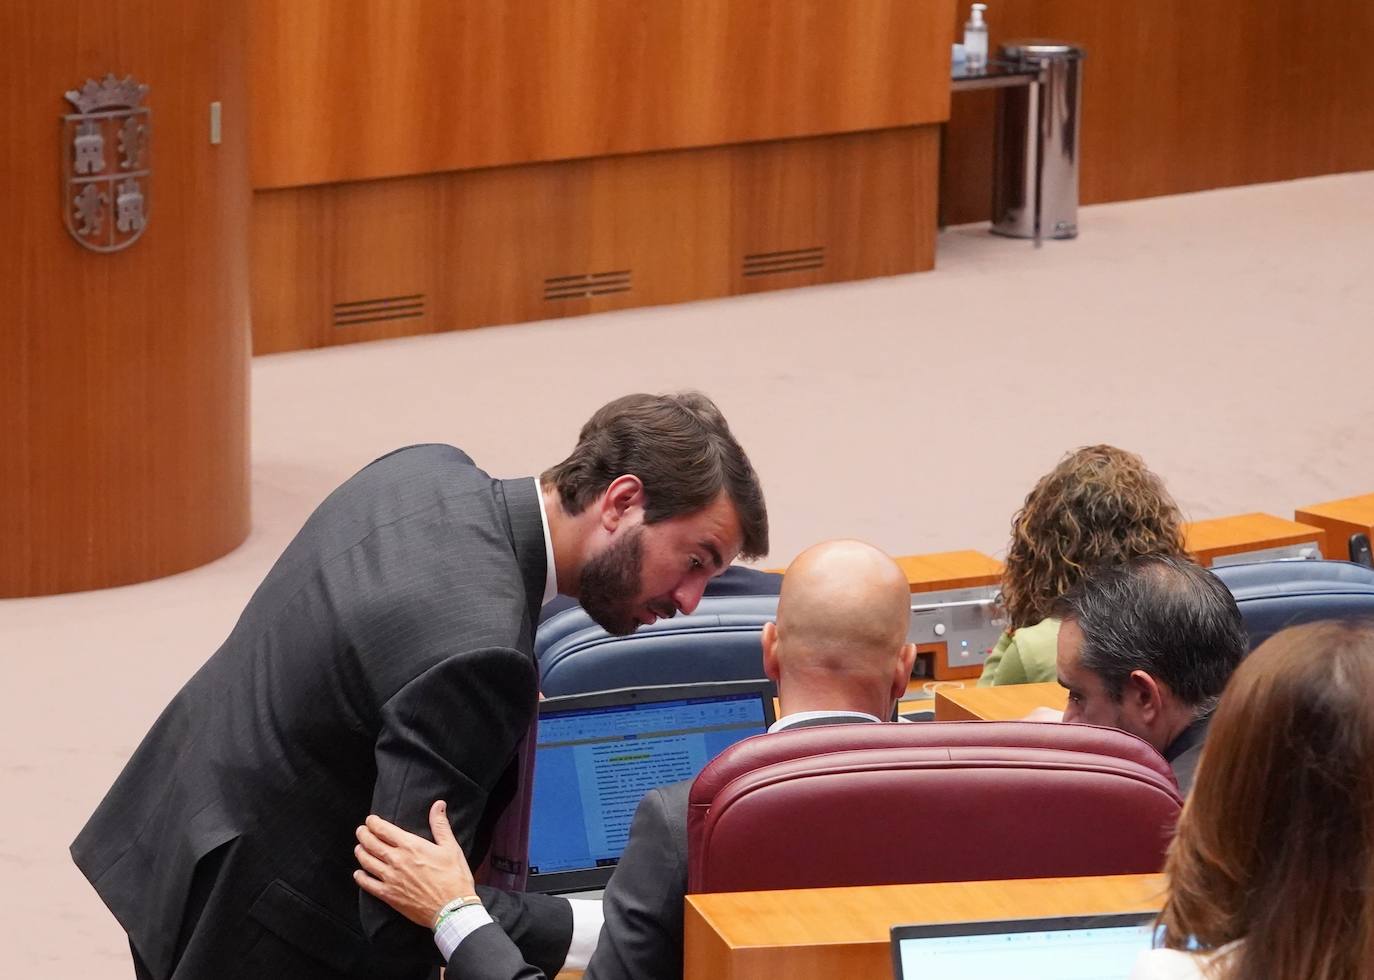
(1099, 947)
(598, 754)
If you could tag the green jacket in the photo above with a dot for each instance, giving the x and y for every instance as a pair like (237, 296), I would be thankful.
(1024, 657)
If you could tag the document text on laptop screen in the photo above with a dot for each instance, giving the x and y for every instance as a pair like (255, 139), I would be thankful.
(593, 765)
(1055, 954)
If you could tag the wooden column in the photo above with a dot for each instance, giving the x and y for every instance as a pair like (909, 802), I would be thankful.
(123, 375)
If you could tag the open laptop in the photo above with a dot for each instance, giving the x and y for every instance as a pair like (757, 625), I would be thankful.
(1094, 947)
(598, 754)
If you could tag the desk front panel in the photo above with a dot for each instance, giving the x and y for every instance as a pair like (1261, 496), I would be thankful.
(844, 932)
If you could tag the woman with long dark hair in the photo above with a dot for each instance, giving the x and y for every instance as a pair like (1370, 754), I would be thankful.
(1271, 875)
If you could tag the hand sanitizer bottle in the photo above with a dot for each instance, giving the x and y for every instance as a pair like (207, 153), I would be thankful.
(976, 39)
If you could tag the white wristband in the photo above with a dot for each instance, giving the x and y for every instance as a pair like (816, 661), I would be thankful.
(457, 926)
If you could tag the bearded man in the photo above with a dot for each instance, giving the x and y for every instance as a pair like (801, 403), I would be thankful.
(387, 661)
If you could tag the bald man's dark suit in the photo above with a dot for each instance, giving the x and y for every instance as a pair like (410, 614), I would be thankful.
(384, 662)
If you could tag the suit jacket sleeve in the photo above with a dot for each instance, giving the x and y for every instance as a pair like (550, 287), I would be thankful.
(448, 734)
(642, 935)
(541, 926)
(489, 954)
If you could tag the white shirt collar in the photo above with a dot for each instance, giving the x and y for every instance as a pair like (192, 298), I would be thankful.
(551, 575)
(787, 721)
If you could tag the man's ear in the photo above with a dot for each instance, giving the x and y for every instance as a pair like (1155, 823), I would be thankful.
(1145, 695)
(621, 498)
(770, 651)
(902, 678)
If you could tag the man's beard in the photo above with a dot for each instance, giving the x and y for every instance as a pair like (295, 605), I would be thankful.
(610, 584)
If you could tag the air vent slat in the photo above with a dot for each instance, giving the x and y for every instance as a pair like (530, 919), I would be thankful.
(790, 252)
(378, 319)
(380, 300)
(588, 284)
(349, 313)
(790, 267)
(787, 260)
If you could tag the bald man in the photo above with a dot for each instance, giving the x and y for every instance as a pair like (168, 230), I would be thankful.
(838, 654)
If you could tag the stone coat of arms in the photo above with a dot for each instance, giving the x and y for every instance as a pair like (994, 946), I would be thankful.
(106, 163)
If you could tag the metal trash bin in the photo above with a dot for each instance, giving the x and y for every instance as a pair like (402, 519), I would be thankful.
(1035, 186)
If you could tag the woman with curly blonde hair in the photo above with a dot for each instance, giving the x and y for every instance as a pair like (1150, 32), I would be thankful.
(1271, 875)
(1100, 506)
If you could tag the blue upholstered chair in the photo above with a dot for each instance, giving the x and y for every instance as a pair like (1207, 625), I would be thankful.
(719, 641)
(1275, 594)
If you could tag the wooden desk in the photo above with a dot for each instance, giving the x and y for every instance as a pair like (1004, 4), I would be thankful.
(949, 570)
(1210, 540)
(844, 932)
(1340, 519)
(945, 570)
(1009, 702)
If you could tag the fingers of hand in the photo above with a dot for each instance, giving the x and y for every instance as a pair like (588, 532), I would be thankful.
(388, 832)
(372, 865)
(439, 825)
(372, 886)
(373, 844)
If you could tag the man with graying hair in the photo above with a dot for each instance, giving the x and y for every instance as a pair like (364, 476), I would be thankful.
(838, 653)
(1147, 647)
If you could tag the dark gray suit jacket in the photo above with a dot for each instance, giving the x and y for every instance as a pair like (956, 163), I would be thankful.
(643, 933)
(385, 662)
(1183, 753)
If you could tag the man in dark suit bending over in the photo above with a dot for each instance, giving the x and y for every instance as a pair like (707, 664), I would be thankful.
(384, 662)
(838, 653)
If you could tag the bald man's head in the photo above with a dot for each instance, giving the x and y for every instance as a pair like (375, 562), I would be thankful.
(843, 613)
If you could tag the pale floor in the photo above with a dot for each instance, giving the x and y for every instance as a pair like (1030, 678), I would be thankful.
(1227, 336)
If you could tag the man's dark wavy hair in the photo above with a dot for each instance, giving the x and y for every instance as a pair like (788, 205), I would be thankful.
(680, 447)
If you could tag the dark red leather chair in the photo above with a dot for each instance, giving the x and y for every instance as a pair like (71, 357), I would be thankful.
(956, 801)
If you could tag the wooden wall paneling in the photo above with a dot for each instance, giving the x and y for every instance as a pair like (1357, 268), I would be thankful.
(360, 89)
(1185, 96)
(884, 210)
(292, 280)
(665, 217)
(505, 231)
(383, 241)
(123, 376)
(346, 262)
(540, 241)
(779, 215)
(866, 199)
